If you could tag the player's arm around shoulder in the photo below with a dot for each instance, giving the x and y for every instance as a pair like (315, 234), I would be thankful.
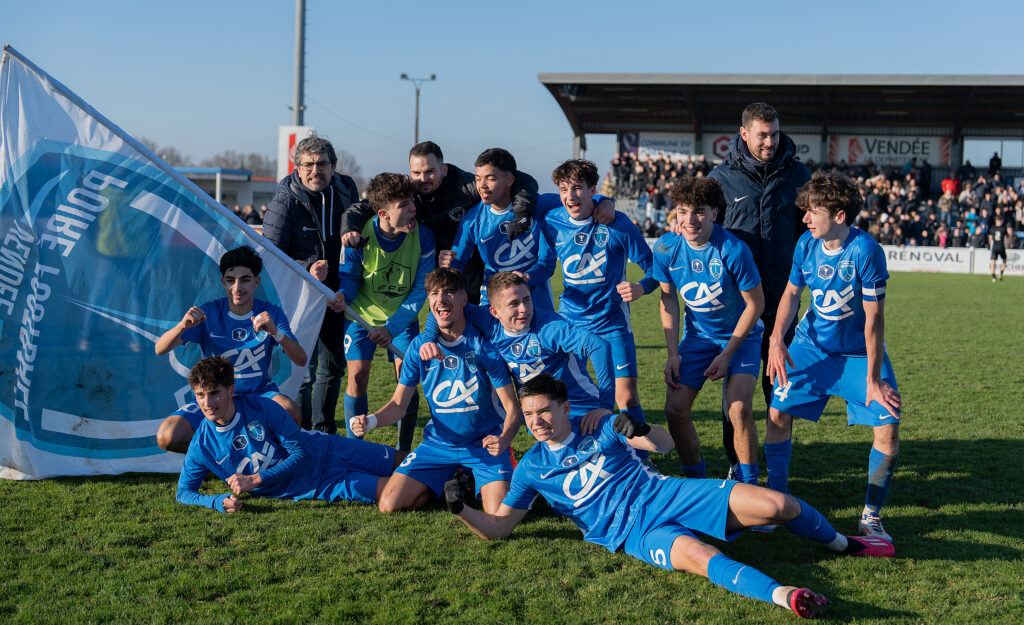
(640, 435)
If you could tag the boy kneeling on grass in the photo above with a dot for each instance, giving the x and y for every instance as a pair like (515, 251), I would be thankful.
(599, 483)
(252, 444)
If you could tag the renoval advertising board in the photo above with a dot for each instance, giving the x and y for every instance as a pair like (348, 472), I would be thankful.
(885, 150)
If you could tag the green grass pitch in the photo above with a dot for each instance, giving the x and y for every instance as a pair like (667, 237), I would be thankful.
(118, 549)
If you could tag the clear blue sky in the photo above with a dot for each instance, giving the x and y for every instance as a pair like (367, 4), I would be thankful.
(215, 75)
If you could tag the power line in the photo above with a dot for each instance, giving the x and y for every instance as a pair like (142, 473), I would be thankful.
(363, 128)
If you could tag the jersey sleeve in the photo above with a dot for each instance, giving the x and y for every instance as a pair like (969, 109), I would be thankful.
(350, 273)
(193, 472)
(413, 302)
(796, 276)
(281, 425)
(280, 320)
(873, 272)
(521, 493)
(638, 252)
(493, 364)
(739, 261)
(660, 260)
(465, 238)
(197, 333)
(409, 375)
(544, 267)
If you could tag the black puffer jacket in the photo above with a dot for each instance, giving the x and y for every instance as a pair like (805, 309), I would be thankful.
(307, 226)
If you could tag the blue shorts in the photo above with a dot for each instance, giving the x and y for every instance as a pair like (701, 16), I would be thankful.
(816, 375)
(679, 507)
(352, 469)
(623, 352)
(697, 352)
(191, 412)
(433, 463)
(358, 346)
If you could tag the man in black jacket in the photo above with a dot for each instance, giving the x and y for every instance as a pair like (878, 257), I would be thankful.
(760, 178)
(304, 221)
(443, 195)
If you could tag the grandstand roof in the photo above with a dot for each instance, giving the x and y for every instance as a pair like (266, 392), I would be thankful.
(949, 105)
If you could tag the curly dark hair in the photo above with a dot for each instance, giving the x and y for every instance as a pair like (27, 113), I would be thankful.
(212, 372)
(444, 278)
(696, 192)
(576, 169)
(833, 191)
(243, 256)
(386, 188)
(499, 158)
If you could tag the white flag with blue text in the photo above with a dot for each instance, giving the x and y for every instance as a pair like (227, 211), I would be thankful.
(103, 247)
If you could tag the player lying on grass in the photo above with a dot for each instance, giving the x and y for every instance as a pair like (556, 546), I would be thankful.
(620, 503)
(839, 347)
(252, 444)
(474, 407)
(239, 327)
(715, 274)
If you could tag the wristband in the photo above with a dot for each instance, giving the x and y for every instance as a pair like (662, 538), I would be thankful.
(279, 336)
(371, 422)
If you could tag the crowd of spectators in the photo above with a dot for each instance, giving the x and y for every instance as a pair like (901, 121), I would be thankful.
(900, 206)
(250, 215)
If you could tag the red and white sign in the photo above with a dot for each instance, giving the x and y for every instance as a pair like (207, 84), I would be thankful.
(287, 137)
(808, 147)
(886, 150)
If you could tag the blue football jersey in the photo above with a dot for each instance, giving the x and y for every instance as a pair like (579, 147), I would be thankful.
(839, 281)
(460, 388)
(262, 439)
(598, 481)
(226, 334)
(594, 259)
(485, 228)
(709, 279)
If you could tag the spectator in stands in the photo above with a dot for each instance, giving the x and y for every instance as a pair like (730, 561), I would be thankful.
(947, 206)
(994, 164)
(250, 216)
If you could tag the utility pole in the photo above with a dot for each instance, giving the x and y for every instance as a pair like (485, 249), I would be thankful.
(418, 82)
(298, 108)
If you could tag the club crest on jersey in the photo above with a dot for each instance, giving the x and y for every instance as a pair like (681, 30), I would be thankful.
(450, 362)
(533, 347)
(256, 429)
(715, 267)
(847, 270)
(503, 227)
(588, 446)
(825, 272)
(518, 349)
(239, 334)
(601, 236)
(457, 213)
(571, 460)
(261, 336)
(470, 358)
(580, 238)
(239, 442)
(697, 266)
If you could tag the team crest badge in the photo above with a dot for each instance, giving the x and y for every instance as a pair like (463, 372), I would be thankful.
(580, 238)
(239, 442)
(601, 236)
(825, 272)
(588, 446)
(256, 429)
(571, 460)
(517, 349)
(697, 266)
(533, 348)
(457, 213)
(261, 336)
(847, 270)
(450, 362)
(715, 267)
(503, 227)
(239, 334)
(471, 361)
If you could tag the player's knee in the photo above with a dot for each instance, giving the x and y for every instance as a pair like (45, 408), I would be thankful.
(387, 503)
(787, 507)
(740, 412)
(691, 555)
(360, 379)
(778, 419)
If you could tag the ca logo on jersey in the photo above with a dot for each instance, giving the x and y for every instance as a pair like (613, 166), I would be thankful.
(697, 266)
(514, 253)
(455, 396)
(240, 334)
(585, 268)
(586, 481)
(825, 272)
(833, 306)
(256, 429)
(526, 371)
(701, 297)
(580, 238)
(263, 459)
(715, 267)
(247, 361)
(847, 270)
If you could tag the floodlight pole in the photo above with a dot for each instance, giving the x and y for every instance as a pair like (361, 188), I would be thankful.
(300, 52)
(418, 82)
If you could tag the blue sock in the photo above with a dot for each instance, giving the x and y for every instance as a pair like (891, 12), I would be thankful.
(776, 456)
(638, 413)
(697, 471)
(741, 579)
(353, 407)
(880, 470)
(811, 524)
(748, 473)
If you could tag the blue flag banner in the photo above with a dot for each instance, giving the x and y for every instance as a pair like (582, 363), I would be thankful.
(103, 247)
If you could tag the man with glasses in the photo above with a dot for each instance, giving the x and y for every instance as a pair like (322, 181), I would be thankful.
(304, 221)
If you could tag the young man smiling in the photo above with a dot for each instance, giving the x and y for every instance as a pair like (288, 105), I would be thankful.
(839, 347)
(599, 483)
(382, 281)
(251, 444)
(239, 327)
(714, 273)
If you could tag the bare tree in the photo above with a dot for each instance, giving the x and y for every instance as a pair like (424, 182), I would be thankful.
(169, 154)
(347, 165)
(258, 164)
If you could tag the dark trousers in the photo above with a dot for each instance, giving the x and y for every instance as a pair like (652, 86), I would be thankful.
(321, 387)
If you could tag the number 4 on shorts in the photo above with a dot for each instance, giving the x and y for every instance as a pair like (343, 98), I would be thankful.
(783, 391)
